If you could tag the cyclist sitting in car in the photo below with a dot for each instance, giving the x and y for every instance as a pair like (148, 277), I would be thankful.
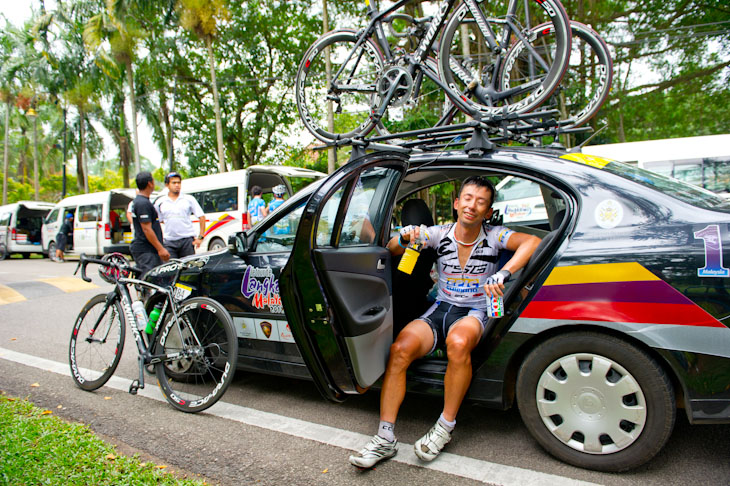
(468, 253)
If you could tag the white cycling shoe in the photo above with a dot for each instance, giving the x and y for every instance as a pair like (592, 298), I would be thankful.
(375, 451)
(430, 445)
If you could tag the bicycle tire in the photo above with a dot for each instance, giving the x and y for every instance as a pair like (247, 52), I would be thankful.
(207, 336)
(580, 94)
(458, 66)
(92, 360)
(312, 89)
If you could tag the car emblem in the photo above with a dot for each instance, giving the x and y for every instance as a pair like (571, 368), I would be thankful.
(266, 328)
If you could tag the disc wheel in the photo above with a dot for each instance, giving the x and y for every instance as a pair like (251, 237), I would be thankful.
(205, 340)
(596, 401)
(97, 341)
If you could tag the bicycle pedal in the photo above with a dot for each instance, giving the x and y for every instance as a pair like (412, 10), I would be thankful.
(134, 387)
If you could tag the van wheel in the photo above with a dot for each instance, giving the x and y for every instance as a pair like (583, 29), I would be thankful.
(596, 401)
(216, 244)
(3, 252)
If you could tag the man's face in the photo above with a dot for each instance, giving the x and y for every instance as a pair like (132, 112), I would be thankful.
(473, 205)
(174, 185)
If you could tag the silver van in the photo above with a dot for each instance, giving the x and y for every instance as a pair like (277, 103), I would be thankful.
(20, 228)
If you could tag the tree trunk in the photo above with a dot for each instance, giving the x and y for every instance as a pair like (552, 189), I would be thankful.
(216, 107)
(133, 103)
(167, 124)
(36, 178)
(6, 153)
(331, 152)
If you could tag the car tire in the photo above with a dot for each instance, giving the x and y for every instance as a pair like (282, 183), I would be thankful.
(3, 252)
(596, 401)
(216, 244)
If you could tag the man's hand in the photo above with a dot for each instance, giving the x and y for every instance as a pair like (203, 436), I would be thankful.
(164, 254)
(495, 284)
(197, 242)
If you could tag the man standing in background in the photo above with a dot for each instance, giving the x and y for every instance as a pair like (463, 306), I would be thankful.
(174, 210)
(146, 247)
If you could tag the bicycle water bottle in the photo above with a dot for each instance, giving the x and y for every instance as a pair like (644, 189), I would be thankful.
(154, 316)
(139, 314)
(413, 251)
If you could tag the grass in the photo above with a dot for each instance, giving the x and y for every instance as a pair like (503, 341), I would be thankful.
(38, 448)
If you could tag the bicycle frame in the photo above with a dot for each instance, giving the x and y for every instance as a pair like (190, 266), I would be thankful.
(416, 62)
(121, 292)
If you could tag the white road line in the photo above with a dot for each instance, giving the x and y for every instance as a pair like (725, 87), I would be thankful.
(487, 472)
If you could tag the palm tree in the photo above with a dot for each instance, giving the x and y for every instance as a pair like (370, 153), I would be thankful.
(83, 97)
(201, 17)
(118, 27)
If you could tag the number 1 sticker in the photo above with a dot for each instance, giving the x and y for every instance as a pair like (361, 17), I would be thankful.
(713, 252)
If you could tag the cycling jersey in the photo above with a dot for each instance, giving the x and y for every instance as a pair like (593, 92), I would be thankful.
(465, 286)
(254, 209)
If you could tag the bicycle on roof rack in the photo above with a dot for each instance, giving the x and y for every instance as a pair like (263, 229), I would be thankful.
(193, 345)
(350, 83)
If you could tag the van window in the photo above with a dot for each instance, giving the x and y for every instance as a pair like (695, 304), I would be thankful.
(52, 216)
(5, 219)
(89, 213)
(217, 200)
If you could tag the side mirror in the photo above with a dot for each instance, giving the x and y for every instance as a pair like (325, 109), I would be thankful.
(237, 243)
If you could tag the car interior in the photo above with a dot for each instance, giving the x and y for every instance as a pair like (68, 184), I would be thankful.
(426, 197)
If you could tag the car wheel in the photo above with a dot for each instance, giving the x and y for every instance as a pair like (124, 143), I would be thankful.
(216, 244)
(596, 401)
(3, 252)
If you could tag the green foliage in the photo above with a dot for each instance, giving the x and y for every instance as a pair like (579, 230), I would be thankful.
(38, 448)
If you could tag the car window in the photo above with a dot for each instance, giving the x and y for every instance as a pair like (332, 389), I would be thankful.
(280, 236)
(52, 216)
(359, 227)
(5, 219)
(89, 213)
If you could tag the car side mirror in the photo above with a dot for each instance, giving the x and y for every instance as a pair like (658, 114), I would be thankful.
(238, 243)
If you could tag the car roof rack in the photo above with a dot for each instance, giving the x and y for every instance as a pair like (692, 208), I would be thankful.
(476, 137)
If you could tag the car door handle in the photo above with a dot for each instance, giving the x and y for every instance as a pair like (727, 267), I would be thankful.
(381, 264)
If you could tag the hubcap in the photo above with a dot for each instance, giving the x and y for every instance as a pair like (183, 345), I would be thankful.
(591, 403)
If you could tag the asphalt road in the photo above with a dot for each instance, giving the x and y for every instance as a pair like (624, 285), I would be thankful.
(272, 430)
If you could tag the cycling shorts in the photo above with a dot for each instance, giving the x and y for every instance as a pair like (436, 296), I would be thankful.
(441, 316)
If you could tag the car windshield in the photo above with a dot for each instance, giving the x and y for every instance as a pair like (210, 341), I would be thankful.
(688, 193)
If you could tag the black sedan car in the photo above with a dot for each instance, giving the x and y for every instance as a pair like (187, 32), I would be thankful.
(619, 320)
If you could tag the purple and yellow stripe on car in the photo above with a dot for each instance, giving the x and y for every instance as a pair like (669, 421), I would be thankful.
(224, 219)
(614, 292)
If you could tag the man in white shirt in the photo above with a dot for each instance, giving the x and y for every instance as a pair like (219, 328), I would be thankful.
(174, 209)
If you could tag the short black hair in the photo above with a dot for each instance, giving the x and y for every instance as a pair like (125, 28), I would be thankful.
(143, 178)
(256, 190)
(172, 175)
(480, 181)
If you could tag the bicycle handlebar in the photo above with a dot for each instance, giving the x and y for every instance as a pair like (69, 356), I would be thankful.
(85, 260)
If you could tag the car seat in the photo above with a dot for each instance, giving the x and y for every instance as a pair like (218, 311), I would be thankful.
(410, 292)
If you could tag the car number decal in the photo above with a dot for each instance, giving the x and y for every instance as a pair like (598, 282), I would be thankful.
(710, 234)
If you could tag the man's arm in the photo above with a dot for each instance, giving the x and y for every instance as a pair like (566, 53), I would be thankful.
(197, 241)
(523, 246)
(149, 233)
(396, 245)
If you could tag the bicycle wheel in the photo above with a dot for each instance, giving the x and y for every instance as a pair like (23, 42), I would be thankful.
(587, 81)
(469, 66)
(351, 95)
(206, 340)
(96, 342)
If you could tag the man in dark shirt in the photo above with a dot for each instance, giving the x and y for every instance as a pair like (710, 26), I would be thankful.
(65, 236)
(147, 249)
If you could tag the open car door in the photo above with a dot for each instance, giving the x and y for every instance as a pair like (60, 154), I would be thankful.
(336, 288)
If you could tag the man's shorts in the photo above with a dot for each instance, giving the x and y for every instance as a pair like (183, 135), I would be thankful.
(441, 316)
(179, 248)
(61, 241)
(146, 261)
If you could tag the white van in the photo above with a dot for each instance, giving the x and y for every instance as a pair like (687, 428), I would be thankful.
(20, 227)
(224, 197)
(96, 230)
(520, 201)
